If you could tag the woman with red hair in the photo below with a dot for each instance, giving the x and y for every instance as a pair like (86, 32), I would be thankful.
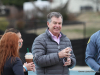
(10, 63)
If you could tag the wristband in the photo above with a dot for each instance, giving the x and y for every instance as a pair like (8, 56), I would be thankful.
(25, 67)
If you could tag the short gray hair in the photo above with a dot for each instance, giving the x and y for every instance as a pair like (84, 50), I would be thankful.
(53, 14)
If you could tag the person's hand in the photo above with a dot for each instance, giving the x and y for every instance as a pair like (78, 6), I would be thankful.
(68, 62)
(65, 53)
(30, 66)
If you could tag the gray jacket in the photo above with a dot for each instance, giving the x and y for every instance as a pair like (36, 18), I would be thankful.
(45, 51)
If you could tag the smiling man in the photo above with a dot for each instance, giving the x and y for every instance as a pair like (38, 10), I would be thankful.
(55, 25)
(51, 49)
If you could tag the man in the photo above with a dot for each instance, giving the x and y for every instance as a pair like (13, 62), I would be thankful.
(50, 49)
(92, 57)
(26, 67)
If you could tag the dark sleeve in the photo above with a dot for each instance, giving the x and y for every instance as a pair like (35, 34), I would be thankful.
(18, 67)
(40, 57)
(25, 73)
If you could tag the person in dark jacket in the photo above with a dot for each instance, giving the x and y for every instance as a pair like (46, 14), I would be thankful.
(26, 66)
(52, 50)
(92, 54)
(10, 63)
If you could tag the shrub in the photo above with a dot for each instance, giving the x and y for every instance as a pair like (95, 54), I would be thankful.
(3, 24)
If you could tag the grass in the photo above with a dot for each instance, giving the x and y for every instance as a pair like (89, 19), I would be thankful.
(73, 30)
(90, 31)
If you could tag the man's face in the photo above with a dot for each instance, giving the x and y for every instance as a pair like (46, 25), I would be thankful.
(20, 40)
(55, 25)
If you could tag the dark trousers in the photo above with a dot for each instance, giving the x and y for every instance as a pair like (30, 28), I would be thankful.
(97, 73)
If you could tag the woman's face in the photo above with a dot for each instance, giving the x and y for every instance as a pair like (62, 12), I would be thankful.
(20, 40)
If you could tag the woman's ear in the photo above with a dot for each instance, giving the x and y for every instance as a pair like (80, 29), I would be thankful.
(19, 44)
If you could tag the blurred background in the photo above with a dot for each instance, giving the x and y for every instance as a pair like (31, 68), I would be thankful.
(81, 20)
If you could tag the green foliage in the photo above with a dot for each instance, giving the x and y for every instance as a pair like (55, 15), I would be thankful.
(18, 3)
(3, 24)
(90, 31)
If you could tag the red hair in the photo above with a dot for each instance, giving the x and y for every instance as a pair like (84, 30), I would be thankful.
(8, 48)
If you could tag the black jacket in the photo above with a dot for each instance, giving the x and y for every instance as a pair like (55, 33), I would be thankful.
(13, 67)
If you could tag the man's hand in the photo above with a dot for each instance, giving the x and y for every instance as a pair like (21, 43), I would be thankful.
(68, 62)
(65, 53)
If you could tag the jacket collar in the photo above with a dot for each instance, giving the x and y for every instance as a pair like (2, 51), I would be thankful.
(49, 35)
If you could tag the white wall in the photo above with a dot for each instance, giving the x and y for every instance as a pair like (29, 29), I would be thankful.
(74, 5)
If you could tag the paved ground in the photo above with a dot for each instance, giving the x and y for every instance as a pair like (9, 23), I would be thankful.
(82, 68)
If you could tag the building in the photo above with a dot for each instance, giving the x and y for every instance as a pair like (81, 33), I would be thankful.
(77, 6)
